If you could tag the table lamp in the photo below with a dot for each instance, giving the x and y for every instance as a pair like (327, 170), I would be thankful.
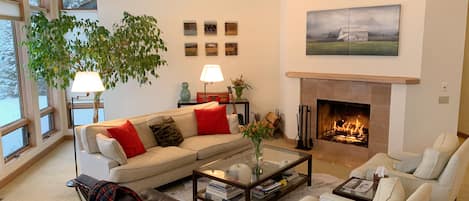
(84, 82)
(210, 74)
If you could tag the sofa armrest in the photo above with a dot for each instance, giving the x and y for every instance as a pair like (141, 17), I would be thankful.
(403, 155)
(332, 197)
(96, 165)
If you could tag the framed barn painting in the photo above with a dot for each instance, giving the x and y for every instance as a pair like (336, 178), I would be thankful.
(354, 31)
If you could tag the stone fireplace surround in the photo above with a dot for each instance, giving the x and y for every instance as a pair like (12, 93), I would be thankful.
(365, 89)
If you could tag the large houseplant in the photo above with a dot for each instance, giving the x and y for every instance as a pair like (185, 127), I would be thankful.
(59, 48)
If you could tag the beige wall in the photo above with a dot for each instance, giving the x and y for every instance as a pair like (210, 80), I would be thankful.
(293, 57)
(430, 48)
(442, 60)
(464, 106)
(272, 41)
(258, 43)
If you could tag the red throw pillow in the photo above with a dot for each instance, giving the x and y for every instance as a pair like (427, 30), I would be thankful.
(212, 121)
(128, 138)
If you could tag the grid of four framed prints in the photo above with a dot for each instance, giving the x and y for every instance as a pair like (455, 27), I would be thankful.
(210, 29)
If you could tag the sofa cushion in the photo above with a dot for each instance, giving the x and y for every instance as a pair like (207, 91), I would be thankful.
(155, 161)
(433, 163)
(111, 149)
(87, 133)
(128, 138)
(446, 142)
(210, 145)
(166, 132)
(212, 121)
(185, 118)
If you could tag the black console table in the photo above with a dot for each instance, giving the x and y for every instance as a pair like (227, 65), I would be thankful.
(244, 102)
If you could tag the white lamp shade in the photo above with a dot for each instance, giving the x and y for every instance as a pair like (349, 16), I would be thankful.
(87, 82)
(211, 73)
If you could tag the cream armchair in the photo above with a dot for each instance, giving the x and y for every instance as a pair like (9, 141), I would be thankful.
(422, 193)
(445, 187)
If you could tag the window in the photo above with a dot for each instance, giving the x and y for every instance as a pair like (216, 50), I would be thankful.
(14, 129)
(83, 112)
(47, 111)
(35, 3)
(79, 4)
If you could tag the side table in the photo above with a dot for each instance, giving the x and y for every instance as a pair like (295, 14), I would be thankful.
(244, 102)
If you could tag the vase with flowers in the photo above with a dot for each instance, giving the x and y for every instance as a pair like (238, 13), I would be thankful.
(257, 131)
(239, 84)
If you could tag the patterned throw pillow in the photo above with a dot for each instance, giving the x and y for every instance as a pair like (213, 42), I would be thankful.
(166, 132)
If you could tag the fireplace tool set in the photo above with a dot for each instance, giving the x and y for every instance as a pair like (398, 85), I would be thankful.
(305, 142)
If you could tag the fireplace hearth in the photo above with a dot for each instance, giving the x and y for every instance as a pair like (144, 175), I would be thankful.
(343, 122)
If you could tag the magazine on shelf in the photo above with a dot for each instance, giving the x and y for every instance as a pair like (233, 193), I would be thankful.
(211, 197)
(222, 190)
(358, 185)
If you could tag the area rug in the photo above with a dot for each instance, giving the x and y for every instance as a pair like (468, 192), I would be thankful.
(321, 183)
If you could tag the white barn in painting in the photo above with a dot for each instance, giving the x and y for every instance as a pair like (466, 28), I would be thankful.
(353, 34)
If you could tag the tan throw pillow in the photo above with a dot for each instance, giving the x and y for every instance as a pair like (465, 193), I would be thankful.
(111, 149)
(233, 122)
(187, 123)
(433, 163)
(446, 142)
(389, 189)
(166, 132)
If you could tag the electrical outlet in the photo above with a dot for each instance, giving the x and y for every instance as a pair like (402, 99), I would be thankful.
(443, 100)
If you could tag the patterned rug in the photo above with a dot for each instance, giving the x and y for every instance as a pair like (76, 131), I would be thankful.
(322, 183)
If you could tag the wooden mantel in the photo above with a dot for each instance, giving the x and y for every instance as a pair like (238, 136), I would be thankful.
(355, 77)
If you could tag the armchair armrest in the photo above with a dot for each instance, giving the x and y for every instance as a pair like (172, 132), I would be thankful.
(332, 197)
(403, 155)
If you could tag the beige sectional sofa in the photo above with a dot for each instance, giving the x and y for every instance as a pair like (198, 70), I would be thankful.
(159, 165)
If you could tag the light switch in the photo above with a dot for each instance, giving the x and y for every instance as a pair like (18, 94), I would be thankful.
(444, 86)
(443, 100)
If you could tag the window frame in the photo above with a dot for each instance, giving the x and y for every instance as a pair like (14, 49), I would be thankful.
(23, 122)
(81, 105)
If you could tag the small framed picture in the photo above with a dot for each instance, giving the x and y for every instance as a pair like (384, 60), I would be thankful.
(190, 49)
(190, 28)
(210, 28)
(231, 28)
(231, 49)
(211, 49)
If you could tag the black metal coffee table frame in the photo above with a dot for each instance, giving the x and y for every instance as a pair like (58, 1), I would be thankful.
(247, 187)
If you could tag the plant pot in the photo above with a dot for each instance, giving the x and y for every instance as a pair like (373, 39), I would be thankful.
(239, 92)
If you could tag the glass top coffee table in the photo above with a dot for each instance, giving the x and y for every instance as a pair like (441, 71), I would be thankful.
(241, 171)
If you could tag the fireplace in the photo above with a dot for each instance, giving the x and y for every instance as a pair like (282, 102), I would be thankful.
(343, 122)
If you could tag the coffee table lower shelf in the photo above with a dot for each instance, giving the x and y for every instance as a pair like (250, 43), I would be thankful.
(292, 185)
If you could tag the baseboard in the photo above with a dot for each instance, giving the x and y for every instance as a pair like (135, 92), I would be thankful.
(30, 163)
(288, 140)
(68, 137)
(463, 135)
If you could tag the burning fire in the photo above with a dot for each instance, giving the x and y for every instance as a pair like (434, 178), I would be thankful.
(348, 131)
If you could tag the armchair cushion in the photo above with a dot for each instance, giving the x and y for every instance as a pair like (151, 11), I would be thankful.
(446, 142)
(408, 165)
(111, 149)
(389, 189)
(433, 163)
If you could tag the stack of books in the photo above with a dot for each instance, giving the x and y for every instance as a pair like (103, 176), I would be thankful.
(266, 190)
(218, 191)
